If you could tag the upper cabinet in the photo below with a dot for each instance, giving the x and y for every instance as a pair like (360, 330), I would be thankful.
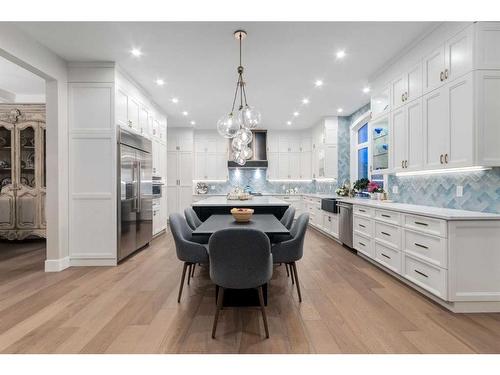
(443, 110)
(211, 156)
(289, 155)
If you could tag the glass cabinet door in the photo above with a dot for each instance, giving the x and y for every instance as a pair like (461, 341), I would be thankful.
(26, 194)
(380, 144)
(7, 212)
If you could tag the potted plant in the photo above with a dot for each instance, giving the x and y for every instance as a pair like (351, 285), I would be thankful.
(360, 186)
(375, 190)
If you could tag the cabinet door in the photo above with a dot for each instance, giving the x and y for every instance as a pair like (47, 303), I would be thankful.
(143, 122)
(222, 145)
(200, 166)
(172, 200)
(211, 166)
(331, 162)
(459, 54)
(415, 151)
(221, 166)
(294, 144)
(436, 128)
(283, 145)
(185, 142)
(434, 66)
(172, 166)
(121, 109)
(133, 113)
(398, 91)
(305, 165)
(294, 165)
(272, 168)
(459, 94)
(185, 197)
(185, 171)
(414, 83)
(171, 141)
(283, 162)
(306, 144)
(272, 142)
(399, 138)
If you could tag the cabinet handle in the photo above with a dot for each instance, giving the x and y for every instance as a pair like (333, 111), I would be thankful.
(421, 273)
(384, 215)
(386, 234)
(360, 210)
(441, 76)
(402, 164)
(361, 225)
(422, 246)
(406, 163)
(446, 158)
(441, 158)
(361, 243)
(420, 223)
(446, 74)
(387, 256)
(406, 96)
(402, 97)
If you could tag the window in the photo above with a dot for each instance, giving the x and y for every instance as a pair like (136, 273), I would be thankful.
(362, 149)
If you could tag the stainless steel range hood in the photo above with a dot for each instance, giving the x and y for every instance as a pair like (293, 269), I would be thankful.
(259, 148)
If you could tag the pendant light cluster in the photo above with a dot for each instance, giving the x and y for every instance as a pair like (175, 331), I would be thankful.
(237, 126)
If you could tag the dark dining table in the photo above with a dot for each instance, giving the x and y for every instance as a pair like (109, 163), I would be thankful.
(268, 224)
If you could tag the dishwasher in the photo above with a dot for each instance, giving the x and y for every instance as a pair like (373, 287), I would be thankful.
(345, 223)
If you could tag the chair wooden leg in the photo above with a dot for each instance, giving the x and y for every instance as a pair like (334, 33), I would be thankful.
(182, 281)
(294, 267)
(189, 272)
(220, 300)
(287, 272)
(263, 309)
(194, 265)
(291, 273)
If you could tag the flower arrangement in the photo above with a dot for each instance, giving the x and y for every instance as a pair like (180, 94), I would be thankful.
(373, 187)
(343, 191)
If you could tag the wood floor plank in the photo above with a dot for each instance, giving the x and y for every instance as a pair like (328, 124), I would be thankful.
(349, 306)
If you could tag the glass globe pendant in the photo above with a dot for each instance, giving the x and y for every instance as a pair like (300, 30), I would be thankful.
(237, 144)
(249, 117)
(228, 126)
(246, 152)
(245, 135)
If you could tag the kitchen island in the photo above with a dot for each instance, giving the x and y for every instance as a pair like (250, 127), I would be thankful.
(221, 205)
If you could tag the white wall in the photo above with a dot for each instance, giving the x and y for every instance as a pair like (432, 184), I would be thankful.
(23, 50)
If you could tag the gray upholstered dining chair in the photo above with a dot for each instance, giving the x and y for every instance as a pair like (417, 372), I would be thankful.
(240, 258)
(288, 216)
(192, 218)
(292, 250)
(187, 251)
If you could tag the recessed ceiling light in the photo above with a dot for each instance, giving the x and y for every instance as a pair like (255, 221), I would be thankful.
(296, 114)
(289, 123)
(185, 113)
(160, 82)
(175, 100)
(318, 83)
(340, 54)
(136, 52)
(366, 90)
(340, 110)
(193, 122)
(305, 101)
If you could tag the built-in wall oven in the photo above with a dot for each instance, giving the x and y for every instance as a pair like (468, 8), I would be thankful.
(157, 185)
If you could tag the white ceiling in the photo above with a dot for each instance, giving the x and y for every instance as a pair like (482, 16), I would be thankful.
(19, 81)
(198, 62)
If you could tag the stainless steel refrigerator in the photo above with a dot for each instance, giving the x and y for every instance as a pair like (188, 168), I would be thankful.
(135, 208)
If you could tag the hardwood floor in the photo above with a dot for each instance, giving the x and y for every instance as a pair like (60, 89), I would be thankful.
(349, 306)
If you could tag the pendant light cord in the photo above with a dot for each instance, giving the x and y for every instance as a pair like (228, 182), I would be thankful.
(240, 84)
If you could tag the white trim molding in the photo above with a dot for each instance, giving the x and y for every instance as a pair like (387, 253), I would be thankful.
(57, 265)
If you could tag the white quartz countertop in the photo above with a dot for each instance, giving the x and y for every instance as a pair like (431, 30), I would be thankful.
(256, 201)
(436, 212)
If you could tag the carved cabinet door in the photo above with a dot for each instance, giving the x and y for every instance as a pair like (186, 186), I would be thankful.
(7, 190)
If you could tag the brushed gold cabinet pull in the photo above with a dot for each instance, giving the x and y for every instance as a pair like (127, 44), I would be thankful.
(441, 76)
(402, 97)
(441, 158)
(446, 74)
(446, 158)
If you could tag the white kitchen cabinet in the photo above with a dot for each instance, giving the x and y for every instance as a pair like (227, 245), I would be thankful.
(305, 165)
(294, 169)
(211, 156)
(273, 165)
(435, 128)
(133, 113)
(121, 109)
(398, 91)
(331, 161)
(305, 144)
(180, 140)
(179, 169)
(283, 165)
(399, 131)
(380, 102)
(407, 87)
(434, 65)
(144, 122)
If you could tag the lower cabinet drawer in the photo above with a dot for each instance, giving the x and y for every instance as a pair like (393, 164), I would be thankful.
(428, 277)
(388, 257)
(362, 225)
(424, 224)
(363, 211)
(388, 234)
(429, 248)
(363, 245)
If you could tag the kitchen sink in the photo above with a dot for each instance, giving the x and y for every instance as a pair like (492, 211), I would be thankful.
(330, 205)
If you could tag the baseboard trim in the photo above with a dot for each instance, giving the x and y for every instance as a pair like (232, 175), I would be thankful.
(56, 265)
(79, 262)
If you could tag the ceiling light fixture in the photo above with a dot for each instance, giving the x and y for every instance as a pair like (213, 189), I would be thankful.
(175, 100)
(192, 122)
(340, 54)
(366, 90)
(237, 125)
(305, 101)
(160, 82)
(340, 110)
(185, 113)
(318, 83)
(296, 114)
(136, 52)
(289, 123)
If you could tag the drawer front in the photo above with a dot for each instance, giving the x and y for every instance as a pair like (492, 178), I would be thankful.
(432, 249)
(388, 234)
(430, 278)
(390, 217)
(363, 245)
(426, 225)
(388, 257)
(362, 225)
(363, 211)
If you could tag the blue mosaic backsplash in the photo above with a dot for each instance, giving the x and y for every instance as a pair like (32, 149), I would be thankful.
(481, 190)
